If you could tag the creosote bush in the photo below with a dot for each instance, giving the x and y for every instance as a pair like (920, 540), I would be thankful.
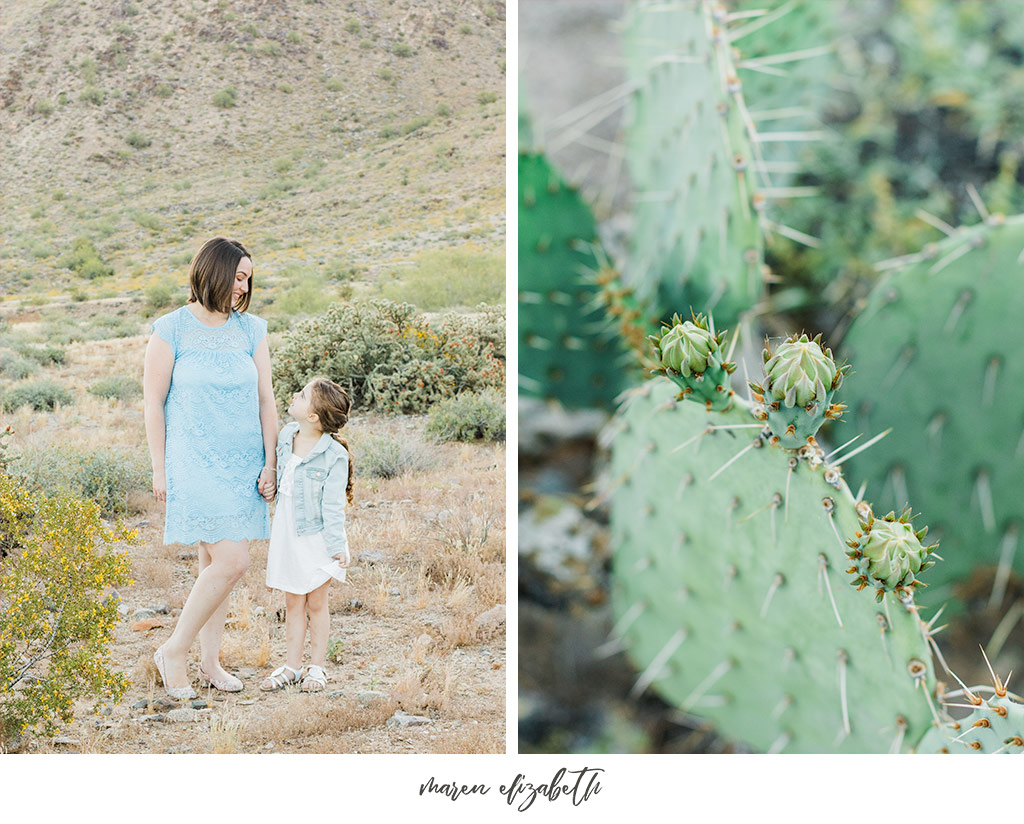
(107, 478)
(386, 456)
(55, 625)
(118, 387)
(471, 416)
(388, 356)
(42, 395)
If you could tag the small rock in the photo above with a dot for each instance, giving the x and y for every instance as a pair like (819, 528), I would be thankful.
(403, 719)
(355, 603)
(158, 703)
(162, 609)
(122, 609)
(184, 714)
(155, 717)
(246, 672)
(394, 591)
(336, 694)
(181, 748)
(143, 614)
(371, 698)
(371, 556)
(198, 704)
(175, 612)
(147, 624)
(247, 702)
(63, 739)
(492, 619)
(259, 612)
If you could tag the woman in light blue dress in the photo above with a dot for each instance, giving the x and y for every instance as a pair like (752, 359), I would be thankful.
(211, 424)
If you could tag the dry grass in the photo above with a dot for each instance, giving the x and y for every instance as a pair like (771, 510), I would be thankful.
(225, 735)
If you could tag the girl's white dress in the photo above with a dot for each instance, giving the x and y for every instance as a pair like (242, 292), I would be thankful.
(296, 563)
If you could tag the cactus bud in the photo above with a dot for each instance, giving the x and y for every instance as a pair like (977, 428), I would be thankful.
(686, 348)
(891, 553)
(688, 352)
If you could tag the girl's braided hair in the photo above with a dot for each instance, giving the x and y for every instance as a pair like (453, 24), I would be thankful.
(332, 405)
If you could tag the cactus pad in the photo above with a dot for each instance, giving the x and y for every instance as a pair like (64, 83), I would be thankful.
(566, 349)
(730, 590)
(939, 360)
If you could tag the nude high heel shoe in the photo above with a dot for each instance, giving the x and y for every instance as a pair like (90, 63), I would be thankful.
(180, 693)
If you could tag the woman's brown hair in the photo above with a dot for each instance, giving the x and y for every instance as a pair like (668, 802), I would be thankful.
(332, 405)
(211, 276)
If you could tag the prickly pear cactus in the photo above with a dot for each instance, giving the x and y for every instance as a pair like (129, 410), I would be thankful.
(992, 724)
(734, 592)
(566, 349)
(696, 238)
(940, 361)
(691, 356)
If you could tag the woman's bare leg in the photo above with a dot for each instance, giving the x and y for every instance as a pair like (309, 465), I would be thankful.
(213, 630)
(229, 561)
(294, 628)
(319, 624)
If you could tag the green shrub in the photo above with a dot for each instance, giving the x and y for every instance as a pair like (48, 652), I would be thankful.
(387, 456)
(107, 478)
(55, 626)
(92, 95)
(137, 140)
(444, 110)
(84, 260)
(159, 295)
(15, 367)
(471, 416)
(332, 84)
(118, 387)
(388, 356)
(487, 97)
(415, 124)
(45, 107)
(226, 98)
(163, 90)
(386, 74)
(42, 395)
(42, 353)
(353, 26)
(402, 50)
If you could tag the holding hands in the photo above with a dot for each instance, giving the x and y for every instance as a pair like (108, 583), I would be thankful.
(267, 483)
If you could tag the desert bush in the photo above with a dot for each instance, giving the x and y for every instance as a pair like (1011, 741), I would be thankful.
(117, 387)
(402, 50)
(14, 366)
(159, 295)
(107, 478)
(137, 140)
(225, 98)
(7, 457)
(45, 107)
(43, 354)
(92, 95)
(388, 356)
(483, 98)
(55, 628)
(471, 416)
(387, 456)
(84, 260)
(42, 396)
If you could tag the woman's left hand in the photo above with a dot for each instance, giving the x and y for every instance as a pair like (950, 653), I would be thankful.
(267, 484)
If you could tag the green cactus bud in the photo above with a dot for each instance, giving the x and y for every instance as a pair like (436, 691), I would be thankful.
(889, 553)
(800, 379)
(800, 372)
(686, 348)
(691, 356)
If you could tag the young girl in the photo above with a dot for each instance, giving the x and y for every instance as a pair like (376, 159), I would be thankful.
(308, 529)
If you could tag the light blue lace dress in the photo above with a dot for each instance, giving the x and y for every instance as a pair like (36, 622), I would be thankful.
(214, 442)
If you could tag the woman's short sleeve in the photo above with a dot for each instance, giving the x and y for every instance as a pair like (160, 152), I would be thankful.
(167, 328)
(257, 328)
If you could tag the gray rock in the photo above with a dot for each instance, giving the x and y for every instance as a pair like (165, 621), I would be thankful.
(162, 704)
(142, 614)
(336, 694)
(162, 609)
(186, 714)
(155, 717)
(371, 698)
(494, 617)
(371, 556)
(403, 719)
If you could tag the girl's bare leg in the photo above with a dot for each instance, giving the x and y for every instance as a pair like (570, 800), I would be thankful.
(294, 628)
(229, 561)
(319, 624)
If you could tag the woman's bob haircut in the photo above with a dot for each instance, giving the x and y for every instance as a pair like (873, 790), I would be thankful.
(211, 276)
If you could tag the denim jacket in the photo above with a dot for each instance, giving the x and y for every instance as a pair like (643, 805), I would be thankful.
(319, 492)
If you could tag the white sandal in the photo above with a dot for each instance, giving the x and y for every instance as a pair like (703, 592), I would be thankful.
(278, 680)
(315, 680)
